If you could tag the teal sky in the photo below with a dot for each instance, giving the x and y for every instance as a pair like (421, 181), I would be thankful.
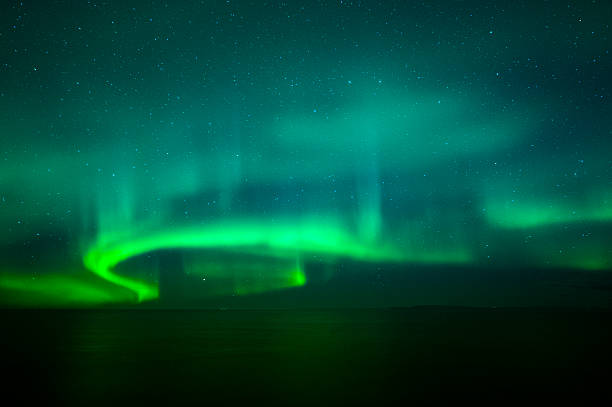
(305, 153)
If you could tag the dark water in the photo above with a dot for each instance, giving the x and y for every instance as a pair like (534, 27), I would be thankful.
(306, 357)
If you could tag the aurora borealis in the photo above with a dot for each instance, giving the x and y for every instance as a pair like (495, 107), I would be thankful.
(282, 148)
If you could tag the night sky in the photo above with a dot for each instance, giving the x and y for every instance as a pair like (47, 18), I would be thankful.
(222, 153)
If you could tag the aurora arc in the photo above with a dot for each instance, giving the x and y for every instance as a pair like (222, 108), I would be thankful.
(277, 240)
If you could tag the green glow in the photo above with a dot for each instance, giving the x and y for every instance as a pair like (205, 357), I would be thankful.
(530, 215)
(261, 151)
(584, 253)
(279, 240)
(58, 289)
(406, 132)
(595, 262)
(592, 261)
(242, 274)
(299, 277)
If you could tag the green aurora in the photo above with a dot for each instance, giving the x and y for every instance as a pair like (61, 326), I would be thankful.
(254, 142)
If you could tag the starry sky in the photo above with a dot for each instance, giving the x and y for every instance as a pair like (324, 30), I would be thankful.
(316, 153)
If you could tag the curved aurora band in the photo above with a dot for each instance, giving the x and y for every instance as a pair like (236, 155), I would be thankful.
(276, 240)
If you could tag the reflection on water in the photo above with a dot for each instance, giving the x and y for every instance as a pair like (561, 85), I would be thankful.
(303, 356)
